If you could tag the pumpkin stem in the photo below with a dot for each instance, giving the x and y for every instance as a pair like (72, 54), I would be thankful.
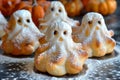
(34, 3)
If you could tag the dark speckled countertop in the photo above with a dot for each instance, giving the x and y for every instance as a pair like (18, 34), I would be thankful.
(104, 68)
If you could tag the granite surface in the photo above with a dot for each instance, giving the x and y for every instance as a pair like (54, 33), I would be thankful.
(104, 68)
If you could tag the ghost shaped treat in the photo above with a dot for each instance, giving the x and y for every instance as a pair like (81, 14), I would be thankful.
(60, 55)
(3, 25)
(94, 35)
(56, 10)
(22, 36)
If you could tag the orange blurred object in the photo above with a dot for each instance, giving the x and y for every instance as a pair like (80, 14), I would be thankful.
(104, 7)
(73, 7)
(7, 6)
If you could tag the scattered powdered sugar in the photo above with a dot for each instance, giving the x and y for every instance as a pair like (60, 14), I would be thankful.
(22, 68)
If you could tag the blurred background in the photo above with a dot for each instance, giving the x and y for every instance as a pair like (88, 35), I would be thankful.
(75, 9)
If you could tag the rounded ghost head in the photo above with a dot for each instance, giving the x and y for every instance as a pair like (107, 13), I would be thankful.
(94, 20)
(21, 18)
(58, 31)
(56, 10)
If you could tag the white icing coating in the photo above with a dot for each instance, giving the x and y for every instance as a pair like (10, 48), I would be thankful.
(60, 26)
(63, 52)
(94, 17)
(93, 32)
(55, 11)
(23, 28)
(3, 24)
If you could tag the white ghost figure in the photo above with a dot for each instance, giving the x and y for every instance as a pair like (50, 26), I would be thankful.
(61, 55)
(94, 35)
(55, 11)
(3, 25)
(22, 36)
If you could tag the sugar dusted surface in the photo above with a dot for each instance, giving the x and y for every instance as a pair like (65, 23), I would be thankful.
(18, 68)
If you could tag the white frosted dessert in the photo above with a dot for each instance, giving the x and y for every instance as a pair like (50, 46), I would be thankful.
(55, 11)
(94, 35)
(22, 36)
(60, 55)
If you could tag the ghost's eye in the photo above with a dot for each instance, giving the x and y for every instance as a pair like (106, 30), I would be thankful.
(19, 20)
(65, 32)
(89, 22)
(55, 32)
(28, 20)
(60, 10)
(52, 9)
(99, 22)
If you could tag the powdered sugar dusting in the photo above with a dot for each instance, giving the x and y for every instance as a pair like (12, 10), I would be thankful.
(53, 14)
(23, 31)
(13, 68)
(94, 32)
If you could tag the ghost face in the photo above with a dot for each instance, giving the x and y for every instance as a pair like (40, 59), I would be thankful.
(21, 22)
(59, 32)
(22, 18)
(56, 10)
(94, 21)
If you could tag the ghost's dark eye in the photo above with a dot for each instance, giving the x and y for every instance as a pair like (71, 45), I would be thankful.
(55, 32)
(19, 21)
(28, 20)
(89, 22)
(65, 32)
(99, 22)
(60, 10)
(52, 9)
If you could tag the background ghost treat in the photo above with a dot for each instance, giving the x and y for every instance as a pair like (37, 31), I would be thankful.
(94, 35)
(22, 35)
(55, 11)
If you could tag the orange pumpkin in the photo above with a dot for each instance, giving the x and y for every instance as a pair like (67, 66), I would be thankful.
(37, 12)
(44, 4)
(73, 7)
(104, 7)
(7, 6)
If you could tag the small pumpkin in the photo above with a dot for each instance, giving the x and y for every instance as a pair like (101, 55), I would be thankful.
(7, 6)
(37, 12)
(45, 4)
(104, 7)
(73, 7)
